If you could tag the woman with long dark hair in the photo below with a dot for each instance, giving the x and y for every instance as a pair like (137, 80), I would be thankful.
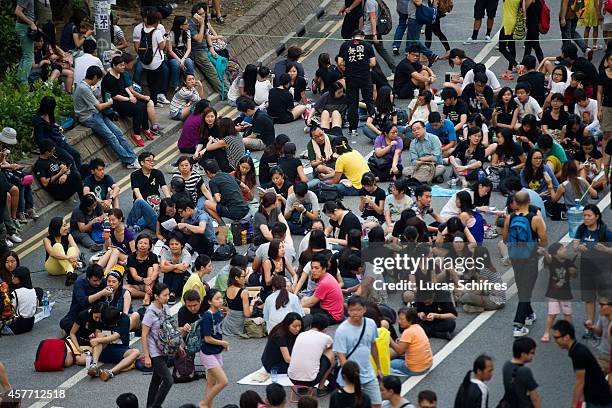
(194, 182)
(532, 176)
(279, 303)
(24, 300)
(62, 252)
(282, 187)
(572, 134)
(267, 215)
(505, 113)
(118, 242)
(45, 128)
(121, 298)
(277, 353)
(72, 36)
(291, 165)
(179, 50)
(243, 85)
(269, 159)
(246, 177)
(529, 132)
(276, 264)
(507, 152)
(9, 261)
(480, 194)
(209, 128)
(341, 222)
(384, 112)
(237, 301)
(469, 216)
(190, 133)
(574, 187)
(227, 148)
(320, 80)
(297, 84)
(468, 157)
(352, 247)
(330, 110)
(350, 394)
(317, 244)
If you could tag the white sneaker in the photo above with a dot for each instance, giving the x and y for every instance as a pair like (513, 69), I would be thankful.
(468, 41)
(529, 320)
(354, 133)
(161, 98)
(487, 38)
(133, 166)
(520, 331)
(9, 243)
(15, 238)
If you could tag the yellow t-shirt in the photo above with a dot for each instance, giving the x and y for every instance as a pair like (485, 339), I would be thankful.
(418, 355)
(353, 166)
(382, 345)
(194, 282)
(509, 14)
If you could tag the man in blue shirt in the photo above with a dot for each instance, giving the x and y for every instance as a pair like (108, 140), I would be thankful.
(87, 290)
(444, 129)
(197, 226)
(424, 155)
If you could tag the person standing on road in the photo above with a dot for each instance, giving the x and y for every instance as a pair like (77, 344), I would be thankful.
(507, 46)
(364, 330)
(520, 388)
(358, 55)
(370, 28)
(532, 21)
(407, 20)
(480, 7)
(161, 380)
(473, 392)
(591, 385)
(353, 15)
(524, 230)
(567, 23)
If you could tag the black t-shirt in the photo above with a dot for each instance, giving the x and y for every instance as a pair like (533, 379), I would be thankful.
(262, 128)
(378, 79)
(142, 267)
(80, 216)
(536, 80)
(332, 76)
(581, 157)
(442, 305)
(474, 105)
(559, 279)
(466, 66)
(47, 168)
(338, 264)
(552, 123)
(184, 316)
(330, 104)
(606, 82)
(454, 112)
(461, 152)
(342, 399)
(280, 102)
(290, 166)
(588, 69)
(148, 186)
(113, 86)
(596, 389)
(266, 163)
(505, 115)
(272, 356)
(99, 187)
(513, 159)
(228, 187)
(378, 195)
(87, 326)
(349, 222)
(523, 383)
(403, 74)
(356, 55)
(298, 88)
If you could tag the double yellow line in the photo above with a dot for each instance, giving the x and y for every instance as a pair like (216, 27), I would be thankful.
(169, 153)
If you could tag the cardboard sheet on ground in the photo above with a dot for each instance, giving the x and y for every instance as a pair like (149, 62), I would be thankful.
(257, 378)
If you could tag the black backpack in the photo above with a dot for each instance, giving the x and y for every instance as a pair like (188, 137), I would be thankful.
(145, 49)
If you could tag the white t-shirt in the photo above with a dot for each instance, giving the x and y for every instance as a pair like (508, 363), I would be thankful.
(530, 107)
(262, 251)
(158, 38)
(491, 79)
(25, 301)
(591, 108)
(82, 63)
(310, 346)
(421, 112)
(450, 209)
(262, 89)
(234, 91)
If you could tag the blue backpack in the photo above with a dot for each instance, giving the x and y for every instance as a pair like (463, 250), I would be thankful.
(425, 15)
(520, 239)
(193, 341)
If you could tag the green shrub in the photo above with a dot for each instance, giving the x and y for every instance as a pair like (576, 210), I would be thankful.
(18, 104)
(11, 52)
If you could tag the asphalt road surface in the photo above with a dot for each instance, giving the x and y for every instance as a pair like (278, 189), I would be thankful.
(490, 333)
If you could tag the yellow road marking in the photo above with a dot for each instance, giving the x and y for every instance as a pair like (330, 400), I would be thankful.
(323, 29)
(322, 40)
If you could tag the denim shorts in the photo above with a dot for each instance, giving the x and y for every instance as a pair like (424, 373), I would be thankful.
(372, 390)
(113, 353)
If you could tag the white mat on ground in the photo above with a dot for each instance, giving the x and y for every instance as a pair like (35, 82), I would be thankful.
(283, 379)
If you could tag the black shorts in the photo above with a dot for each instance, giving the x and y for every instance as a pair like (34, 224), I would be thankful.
(324, 365)
(287, 117)
(482, 6)
(592, 286)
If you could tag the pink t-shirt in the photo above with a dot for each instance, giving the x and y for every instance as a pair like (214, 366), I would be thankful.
(330, 296)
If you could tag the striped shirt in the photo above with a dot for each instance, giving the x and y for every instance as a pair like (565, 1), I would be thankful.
(192, 184)
(234, 149)
(182, 98)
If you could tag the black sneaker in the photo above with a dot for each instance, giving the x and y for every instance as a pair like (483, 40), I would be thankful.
(172, 300)
(71, 277)
(395, 51)
(433, 59)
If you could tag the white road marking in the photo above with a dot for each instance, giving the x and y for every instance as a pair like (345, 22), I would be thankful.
(487, 48)
(492, 60)
(475, 324)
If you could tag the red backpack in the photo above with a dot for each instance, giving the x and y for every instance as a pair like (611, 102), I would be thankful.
(544, 23)
(51, 355)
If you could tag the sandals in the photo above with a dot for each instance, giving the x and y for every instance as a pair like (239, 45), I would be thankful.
(507, 75)
(545, 338)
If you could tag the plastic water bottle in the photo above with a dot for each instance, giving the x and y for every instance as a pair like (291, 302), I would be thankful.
(88, 359)
(574, 218)
(453, 183)
(274, 375)
(45, 304)
(365, 240)
(247, 153)
(481, 175)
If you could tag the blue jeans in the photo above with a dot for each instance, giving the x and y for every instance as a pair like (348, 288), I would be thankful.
(399, 364)
(112, 136)
(369, 133)
(27, 51)
(143, 215)
(402, 24)
(26, 200)
(137, 75)
(175, 71)
(413, 37)
(346, 191)
(569, 33)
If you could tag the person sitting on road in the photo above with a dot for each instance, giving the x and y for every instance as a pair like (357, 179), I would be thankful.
(281, 106)
(436, 313)
(420, 107)
(175, 264)
(468, 157)
(479, 96)
(410, 74)
(259, 131)
(146, 184)
(197, 226)
(143, 269)
(424, 155)
(327, 298)
(222, 278)
(330, 109)
(120, 298)
(87, 290)
(388, 147)
(316, 356)
(413, 345)
(293, 54)
(102, 185)
(301, 209)
(190, 133)
(201, 267)
(118, 242)
(225, 196)
(277, 264)
(111, 345)
(279, 303)
(56, 177)
(238, 303)
(85, 325)
(320, 153)
(351, 165)
(476, 301)
(444, 129)
(189, 313)
(24, 301)
(454, 109)
(86, 223)
(62, 252)
(279, 230)
(277, 353)
(227, 148)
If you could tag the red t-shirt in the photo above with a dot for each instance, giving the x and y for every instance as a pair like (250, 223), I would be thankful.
(330, 296)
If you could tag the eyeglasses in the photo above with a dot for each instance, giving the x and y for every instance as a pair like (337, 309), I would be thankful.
(556, 337)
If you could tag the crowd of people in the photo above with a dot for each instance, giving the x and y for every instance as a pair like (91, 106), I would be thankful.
(310, 263)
